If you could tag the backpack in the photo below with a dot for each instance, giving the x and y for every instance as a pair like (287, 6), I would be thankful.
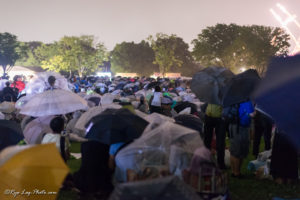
(213, 110)
(231, 114)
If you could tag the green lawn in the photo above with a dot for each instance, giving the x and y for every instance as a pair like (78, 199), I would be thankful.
(248, 188)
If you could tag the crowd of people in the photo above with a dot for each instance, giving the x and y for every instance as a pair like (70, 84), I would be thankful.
(160, 103)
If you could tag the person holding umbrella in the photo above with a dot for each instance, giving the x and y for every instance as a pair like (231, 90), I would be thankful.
(213, 122)
(8, 94)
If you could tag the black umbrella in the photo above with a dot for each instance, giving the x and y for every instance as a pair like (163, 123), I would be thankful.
(208, 84)
(115, 125)
(10, 133)
(167, 188)
(190, 121)
(278, 95)
(95, 100)
(241, 87)
(120, 86)
(153, 85)
(183, 105)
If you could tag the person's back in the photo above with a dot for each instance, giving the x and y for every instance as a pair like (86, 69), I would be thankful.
(57, 126)
(213, 110)
(245, 109)
(8, 93)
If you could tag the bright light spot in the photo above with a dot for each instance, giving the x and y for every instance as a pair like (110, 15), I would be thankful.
(108, 74)
(290, 18)
(242, 69)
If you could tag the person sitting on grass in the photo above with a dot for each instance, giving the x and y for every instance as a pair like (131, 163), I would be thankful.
(57, 137)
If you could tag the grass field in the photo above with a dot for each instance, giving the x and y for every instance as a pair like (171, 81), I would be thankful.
(248, 188)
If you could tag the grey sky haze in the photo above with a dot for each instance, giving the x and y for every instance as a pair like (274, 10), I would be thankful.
(114, 21)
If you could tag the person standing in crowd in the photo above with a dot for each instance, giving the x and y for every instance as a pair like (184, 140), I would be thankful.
(239, 132)
(155, 101)
(8, 94)
(262, 127)
(213, 122)
(18, 85)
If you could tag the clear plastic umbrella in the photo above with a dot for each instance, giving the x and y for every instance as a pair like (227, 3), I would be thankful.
(54, 102)
(22, 101)
(35, 129)
(92, 112)
(155, 120)
(108, 98)
(40, 83)
(169, 146)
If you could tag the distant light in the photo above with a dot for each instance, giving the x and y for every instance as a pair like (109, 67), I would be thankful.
(108, 74)
(243, 69)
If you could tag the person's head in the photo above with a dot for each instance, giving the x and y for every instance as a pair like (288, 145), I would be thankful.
(7, 84)
(157, 89)
(57, 124)
(142, 99)
(51, 80)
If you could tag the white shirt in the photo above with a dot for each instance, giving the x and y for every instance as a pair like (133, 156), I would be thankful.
(157, 96)
(54, 138)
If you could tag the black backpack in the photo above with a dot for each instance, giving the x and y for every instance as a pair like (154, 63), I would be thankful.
(231, 114)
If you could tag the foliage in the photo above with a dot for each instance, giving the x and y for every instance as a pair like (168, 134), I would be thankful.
(132, 57)
(56, 63)
(236, 46)
(10, 51)
(73, 54)
(164, 51)
(29, 57)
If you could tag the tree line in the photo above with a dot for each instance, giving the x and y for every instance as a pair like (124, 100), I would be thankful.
(232, 46)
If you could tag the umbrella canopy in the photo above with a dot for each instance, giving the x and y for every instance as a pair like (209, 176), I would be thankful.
(40, 83)
(10, 133)
(35, 129)
(167, 147)
(22, 101)
(92, 112)
(87, 97)
(53, 102)
(278, 95)
(120, 86)
(152, 85)
(167, 188)
(208, 84)
(36, 168)
(190, 121)
(183, 105)
(115, 125)
(155, 120)
(241, 87)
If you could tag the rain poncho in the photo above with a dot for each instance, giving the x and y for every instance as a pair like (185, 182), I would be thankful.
(168, 146)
